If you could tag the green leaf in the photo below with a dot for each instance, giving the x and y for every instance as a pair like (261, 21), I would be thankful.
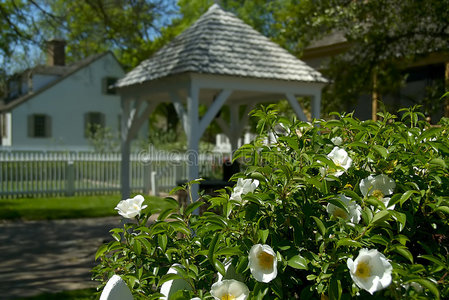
(164, 214)
(276, 287)
(101, 251)
(444, 209)
(338, 203)
(380, 216)
(212, 248)
(407, 195)
(381, 151)
(298, 262)
(137, 247)
(438, 162)
(378, 239)
(168, 277)
(263, 235)
(219, 266)
(401, 218)
(353, 195)
(260, 290)
(162, 241)
(320, 225)
(348, 242)
(258, 176)
(116, 236)
(357, 144)
(180, 227)
(427, 284)
(433, 259)
(404, 252)
(229, 251)
(242, 264)
(335, 289)
(192, 207)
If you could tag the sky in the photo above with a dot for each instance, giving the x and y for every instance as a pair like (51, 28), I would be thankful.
(24, 58)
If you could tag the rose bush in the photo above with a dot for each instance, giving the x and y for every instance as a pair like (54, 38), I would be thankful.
(336, 209)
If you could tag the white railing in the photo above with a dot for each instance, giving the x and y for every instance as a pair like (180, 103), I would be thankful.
(34, 174)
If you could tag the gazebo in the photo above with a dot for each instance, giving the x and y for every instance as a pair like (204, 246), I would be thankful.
(217, 61)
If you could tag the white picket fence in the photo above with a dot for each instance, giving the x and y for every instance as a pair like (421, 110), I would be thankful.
(36, 174)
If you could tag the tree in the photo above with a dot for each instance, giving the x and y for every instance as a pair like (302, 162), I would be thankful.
(384, 35)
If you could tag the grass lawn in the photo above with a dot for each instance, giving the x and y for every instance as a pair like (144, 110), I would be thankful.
(86, 294)
(67, 207)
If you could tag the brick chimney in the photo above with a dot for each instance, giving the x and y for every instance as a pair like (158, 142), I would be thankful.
(56, 52)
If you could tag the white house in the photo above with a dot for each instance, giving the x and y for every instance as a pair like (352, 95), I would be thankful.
(51, 107)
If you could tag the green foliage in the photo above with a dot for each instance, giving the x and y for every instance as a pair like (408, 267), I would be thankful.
(102, 139)
(383, 37)
(289, 211)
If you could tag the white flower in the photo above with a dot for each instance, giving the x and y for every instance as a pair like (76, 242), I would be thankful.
(341, 159)
(263, 263)
(371, 271)
(243, 187)
(130, 208)
(354, 210)
(378, 186)
(170, 287)
(229, 290)
(337, 141)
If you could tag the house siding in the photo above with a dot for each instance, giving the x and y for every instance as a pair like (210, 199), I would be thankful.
(66, 103)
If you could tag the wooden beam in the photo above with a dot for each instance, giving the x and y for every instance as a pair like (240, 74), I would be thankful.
(139, 119)
(179, 107)
(296, 107)
(213, 110)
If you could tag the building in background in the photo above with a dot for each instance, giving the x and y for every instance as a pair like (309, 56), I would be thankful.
(425, 81)
(52, 107)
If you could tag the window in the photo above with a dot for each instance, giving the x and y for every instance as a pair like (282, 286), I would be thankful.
(3, 131)
(39, 126)
(108, 85)
(93, 121)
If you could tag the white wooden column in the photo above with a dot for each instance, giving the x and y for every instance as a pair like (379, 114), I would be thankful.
(193, 138)
(132, 120)
(125, 149)
(316, 105)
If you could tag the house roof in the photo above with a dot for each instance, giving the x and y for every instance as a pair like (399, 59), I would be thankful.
(219, 43)
(62, 71)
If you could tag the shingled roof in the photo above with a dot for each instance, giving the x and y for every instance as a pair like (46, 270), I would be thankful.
(219, 43)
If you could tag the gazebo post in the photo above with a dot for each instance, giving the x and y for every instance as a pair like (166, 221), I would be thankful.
(125, 149)
(193, 138)
(316, 105)
(234, 124)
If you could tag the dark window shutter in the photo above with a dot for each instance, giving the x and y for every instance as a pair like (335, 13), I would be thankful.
(48, 126)
(30, 125)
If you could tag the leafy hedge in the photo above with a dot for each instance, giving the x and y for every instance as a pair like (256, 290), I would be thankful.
(348, 208)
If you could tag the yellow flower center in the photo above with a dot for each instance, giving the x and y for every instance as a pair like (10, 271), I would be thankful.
(135, 206)
(363, 270)
(265, 260)
(340, 213)
(227, 297)
(378, 194)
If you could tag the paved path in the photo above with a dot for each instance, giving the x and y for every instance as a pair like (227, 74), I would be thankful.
(49, 256)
